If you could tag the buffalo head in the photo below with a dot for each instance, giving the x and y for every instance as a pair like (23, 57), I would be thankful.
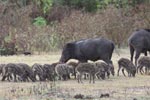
(67, 53)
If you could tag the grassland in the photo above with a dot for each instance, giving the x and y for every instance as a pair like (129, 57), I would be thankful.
(119, 88)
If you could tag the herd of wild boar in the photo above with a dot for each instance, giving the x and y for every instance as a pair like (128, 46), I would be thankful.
(23, 72)
(65, 71)
(86, 49)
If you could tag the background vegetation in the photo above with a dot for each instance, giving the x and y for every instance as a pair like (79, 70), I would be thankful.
(46, 25)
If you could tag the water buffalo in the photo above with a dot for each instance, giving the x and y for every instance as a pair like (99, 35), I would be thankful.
(88, 49)
(139, 42)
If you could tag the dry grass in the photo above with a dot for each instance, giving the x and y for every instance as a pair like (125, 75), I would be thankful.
(119, 88)
(42, 59)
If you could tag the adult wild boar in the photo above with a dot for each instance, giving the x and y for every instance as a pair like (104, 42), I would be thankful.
(88, 49)
(139, 42)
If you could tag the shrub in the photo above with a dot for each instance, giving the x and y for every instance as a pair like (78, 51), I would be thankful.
(39, 21)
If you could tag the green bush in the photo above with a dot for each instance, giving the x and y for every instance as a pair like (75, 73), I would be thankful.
(44, 5)
(39, 21)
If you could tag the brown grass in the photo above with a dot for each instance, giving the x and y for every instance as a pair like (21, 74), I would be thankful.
(119, 88)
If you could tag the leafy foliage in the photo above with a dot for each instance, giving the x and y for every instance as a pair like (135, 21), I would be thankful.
(45, 5)
(39, 21)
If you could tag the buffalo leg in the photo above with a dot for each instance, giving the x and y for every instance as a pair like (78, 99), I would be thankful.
(131, 52)
(138, 52)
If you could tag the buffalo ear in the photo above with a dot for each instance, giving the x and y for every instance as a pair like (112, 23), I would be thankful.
(70, 47)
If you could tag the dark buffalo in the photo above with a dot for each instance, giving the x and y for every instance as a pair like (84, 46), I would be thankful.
(88, 49)
(139, 42)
